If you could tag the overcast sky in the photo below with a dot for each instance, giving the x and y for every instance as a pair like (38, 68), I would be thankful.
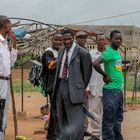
(73, 11)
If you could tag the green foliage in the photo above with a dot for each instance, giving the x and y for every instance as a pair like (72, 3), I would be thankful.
(22, 59)
(130, 83)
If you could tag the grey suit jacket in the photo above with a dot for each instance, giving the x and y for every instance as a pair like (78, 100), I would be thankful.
(80, 69)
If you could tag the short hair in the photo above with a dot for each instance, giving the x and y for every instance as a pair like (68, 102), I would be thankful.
(114, 32)
(3, 20)
(67, 31)
(99, 34)
(57, 33)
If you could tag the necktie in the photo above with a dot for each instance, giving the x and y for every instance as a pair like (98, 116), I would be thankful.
(65, 67)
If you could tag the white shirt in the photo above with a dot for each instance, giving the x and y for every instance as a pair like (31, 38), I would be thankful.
(70, 52)
(7, 58)
(96, 80)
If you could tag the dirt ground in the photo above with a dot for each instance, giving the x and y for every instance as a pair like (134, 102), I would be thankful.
(33, 121)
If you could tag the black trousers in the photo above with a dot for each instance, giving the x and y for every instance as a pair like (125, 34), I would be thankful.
(52, 128)
(2, 106)
(70, 116)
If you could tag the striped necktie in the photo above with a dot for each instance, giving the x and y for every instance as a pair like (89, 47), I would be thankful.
(65, 67)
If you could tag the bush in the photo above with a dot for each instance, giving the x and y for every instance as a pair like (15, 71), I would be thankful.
(130, 83)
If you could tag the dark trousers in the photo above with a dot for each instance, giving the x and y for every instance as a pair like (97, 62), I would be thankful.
(70, 116)
(52, 131)
(2, 106)
(112, 114)
(86, 118)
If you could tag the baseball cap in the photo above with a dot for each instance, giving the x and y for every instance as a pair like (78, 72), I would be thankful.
(81, 33)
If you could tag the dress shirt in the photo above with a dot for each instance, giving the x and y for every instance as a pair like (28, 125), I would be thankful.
(96, 80)
(7, 58)
(70, 52)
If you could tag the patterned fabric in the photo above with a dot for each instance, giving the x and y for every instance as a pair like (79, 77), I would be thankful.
(65, 67)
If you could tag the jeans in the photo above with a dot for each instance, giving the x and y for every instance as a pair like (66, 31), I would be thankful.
(112, 114)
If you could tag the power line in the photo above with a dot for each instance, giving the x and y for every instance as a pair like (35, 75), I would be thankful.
(110, 17)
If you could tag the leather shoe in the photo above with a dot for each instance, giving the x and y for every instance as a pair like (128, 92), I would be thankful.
(87, 133)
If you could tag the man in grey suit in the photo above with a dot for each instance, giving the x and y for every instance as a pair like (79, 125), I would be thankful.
(73, 73)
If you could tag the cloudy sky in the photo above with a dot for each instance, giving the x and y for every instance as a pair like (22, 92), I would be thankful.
(73, 11)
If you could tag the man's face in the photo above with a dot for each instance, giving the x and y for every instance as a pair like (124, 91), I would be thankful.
(101, 41)
(81, 40)
(57, 41)
(116, 40)
(67, 40)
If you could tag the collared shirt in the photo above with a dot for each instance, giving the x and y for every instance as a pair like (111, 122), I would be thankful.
(96, 80)
(7, 58)
(70, 52)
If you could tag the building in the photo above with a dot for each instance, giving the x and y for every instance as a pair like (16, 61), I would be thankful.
(131, 35)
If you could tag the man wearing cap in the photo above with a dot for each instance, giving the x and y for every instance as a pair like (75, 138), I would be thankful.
(81, 39)
(8, 56)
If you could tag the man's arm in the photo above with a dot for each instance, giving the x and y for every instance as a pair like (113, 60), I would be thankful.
(13, 54)
(97, 67)
(13, 38)
(49, 60)
(86, 67)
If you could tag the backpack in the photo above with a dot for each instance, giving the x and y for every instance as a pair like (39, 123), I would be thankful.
(36, 76)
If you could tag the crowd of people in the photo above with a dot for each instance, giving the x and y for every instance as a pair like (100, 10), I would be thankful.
(75, 78)
(82, 77)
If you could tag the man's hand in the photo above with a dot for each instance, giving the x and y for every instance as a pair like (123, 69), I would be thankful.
(52, 64)
(12, 35)
(13, 38)
(87, 93)
(106, 79)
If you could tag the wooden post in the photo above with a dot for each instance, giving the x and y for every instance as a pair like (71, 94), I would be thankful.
(124, 79)
(13, 107)
(22, 97)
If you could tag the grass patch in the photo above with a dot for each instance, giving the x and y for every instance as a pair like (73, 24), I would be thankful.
(27, 86)
(129, 100)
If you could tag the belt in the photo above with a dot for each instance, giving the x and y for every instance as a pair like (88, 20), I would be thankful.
(4, 78)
